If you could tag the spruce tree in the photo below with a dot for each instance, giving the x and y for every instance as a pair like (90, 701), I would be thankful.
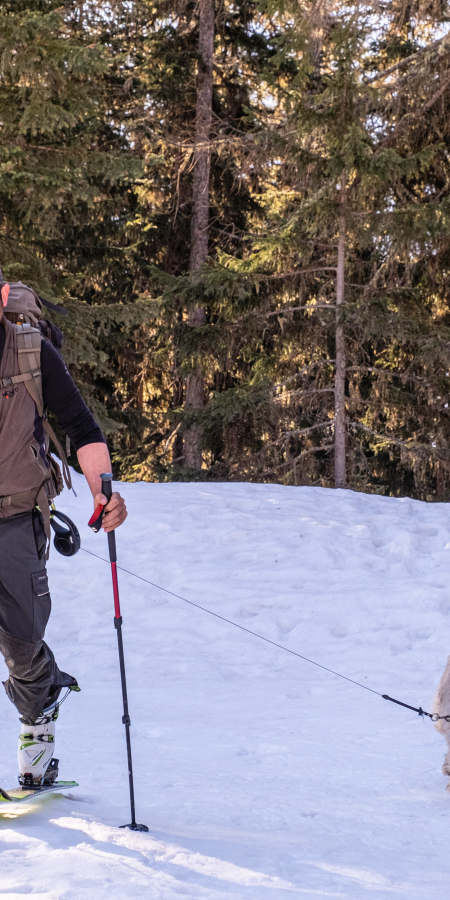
(340, 280)
(166, 227)
(201, 163)
(280, 244)
(65, 175)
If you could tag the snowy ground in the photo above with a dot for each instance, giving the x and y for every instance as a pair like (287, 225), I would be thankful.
(259, 776)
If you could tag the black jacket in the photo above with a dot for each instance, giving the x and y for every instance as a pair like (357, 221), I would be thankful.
(63, 399)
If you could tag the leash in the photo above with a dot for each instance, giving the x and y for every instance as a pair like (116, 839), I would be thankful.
(433, 716)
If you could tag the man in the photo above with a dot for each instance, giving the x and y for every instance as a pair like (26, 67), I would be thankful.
(35, 681)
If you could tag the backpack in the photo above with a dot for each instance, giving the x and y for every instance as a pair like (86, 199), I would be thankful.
(25, 307)
(24, 310)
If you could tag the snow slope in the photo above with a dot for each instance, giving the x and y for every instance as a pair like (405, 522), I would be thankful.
(260, 776)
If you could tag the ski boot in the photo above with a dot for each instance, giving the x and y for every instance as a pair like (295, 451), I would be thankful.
(36, 748)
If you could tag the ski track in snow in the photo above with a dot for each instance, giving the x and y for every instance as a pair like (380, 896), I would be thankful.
(260, 776)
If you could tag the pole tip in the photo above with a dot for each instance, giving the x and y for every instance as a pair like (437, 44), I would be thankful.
(135, 827)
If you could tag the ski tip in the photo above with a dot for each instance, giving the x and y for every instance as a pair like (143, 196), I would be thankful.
(20, 795)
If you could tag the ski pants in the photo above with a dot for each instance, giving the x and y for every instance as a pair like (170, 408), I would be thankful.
(34, 678)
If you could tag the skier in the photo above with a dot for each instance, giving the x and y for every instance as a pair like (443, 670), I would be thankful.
(35, 681)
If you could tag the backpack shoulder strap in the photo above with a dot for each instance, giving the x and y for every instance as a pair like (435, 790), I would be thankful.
(29, 347)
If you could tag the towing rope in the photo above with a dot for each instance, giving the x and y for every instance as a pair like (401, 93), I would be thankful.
(433, 716)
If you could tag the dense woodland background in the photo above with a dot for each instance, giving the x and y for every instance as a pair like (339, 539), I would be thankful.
(245, 208)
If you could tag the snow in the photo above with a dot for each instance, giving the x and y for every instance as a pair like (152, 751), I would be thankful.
(259, 775)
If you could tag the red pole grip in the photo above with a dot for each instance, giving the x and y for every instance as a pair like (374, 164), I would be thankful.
(95, 522)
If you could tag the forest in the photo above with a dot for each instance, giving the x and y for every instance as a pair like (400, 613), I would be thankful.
(244, 208)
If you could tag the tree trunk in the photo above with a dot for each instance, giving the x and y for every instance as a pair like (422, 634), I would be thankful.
(339, 395)
(319, 27)
(200, 210)
(177, 393)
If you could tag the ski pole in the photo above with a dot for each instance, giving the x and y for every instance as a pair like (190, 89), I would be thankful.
(107, 491)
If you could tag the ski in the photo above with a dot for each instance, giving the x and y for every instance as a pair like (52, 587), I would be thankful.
(19, 795)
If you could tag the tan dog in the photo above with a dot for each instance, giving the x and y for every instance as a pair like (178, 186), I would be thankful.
(441, 706)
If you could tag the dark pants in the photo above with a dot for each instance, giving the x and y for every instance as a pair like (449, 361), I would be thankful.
(34, 678)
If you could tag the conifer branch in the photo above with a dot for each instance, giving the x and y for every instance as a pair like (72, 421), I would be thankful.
(402, 375)
(288, 394)
(392, 440)
(281, 275)
(278, 312)
(383, 437)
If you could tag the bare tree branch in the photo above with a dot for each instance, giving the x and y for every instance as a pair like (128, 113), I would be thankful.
(291, 462)
(406, 121)
(278, 312)
(169, 439)
(303, 371)
(404, 62)
(288, 434)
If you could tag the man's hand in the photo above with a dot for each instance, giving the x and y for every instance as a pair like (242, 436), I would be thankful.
(115, 511)
(94, 459)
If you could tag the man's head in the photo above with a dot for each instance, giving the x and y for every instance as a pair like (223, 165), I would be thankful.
(4, 294)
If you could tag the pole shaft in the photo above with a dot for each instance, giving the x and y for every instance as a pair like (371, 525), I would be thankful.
(126, 717)
(107, 490)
